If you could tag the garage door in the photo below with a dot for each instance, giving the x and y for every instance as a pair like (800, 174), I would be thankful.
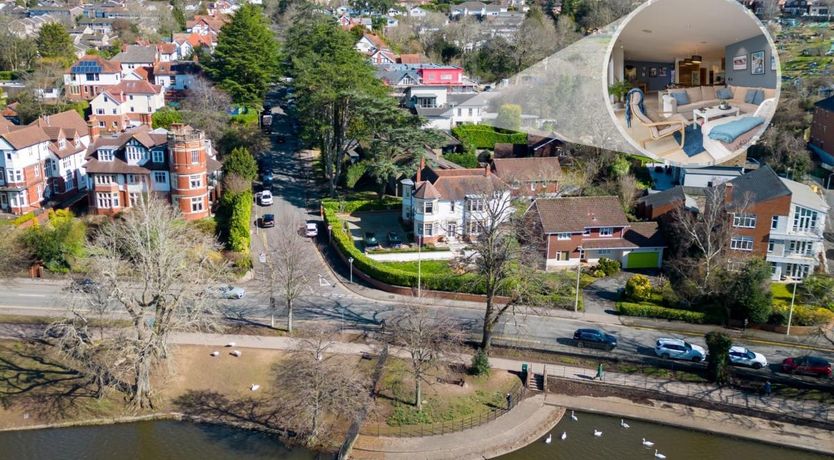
(642, 260)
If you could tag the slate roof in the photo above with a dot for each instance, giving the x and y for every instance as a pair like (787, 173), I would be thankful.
(826, 104)
(760, 185)
(136, 54)
(645, 235)
(573, 214)
(674, 194)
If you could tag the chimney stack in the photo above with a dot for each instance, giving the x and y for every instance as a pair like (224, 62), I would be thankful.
(420, 169)
(94, 129)
(728, 193)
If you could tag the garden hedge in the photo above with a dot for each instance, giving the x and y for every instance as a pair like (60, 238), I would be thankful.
(649, 310)
(804, 315)
(485, 137)
(379, 271)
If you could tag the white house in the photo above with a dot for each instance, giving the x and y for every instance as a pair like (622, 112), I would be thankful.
(130, 103)
(450, 205)
(22, 178)
(69, 138)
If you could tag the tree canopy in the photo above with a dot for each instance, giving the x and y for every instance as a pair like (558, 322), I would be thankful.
(53, 41)
(241, 163)
(247, 56)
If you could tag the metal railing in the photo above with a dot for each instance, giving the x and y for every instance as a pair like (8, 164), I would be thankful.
(450, 426)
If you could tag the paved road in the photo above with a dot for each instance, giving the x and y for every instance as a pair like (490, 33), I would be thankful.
(328, 300)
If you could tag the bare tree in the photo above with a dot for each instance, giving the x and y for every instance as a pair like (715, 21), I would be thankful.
(204, 108)
(156, 270)
(288, 266)
(501, 263)
(627, 191)
(13, 254)
(428, 338)
(318, 389)
(703, 237)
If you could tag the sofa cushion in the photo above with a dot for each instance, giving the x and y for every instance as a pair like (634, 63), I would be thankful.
(769, 93)
(694, 94)
(759, 97)
(750, 95)
(681, 97)
(744, 107)
(738, 93)
(708, 93)
(724, 93)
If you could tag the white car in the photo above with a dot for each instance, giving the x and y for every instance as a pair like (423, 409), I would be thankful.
(231, 292)
(265, 198)
(679, 349)
(741, 356)
(311, 229)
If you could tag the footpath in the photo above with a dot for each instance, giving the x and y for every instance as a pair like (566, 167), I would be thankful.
(730, 401)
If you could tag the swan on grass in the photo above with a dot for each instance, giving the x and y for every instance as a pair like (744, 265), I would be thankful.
(647, 443)
(658, 455)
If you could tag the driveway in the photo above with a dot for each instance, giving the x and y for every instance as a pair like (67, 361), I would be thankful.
(599, 296)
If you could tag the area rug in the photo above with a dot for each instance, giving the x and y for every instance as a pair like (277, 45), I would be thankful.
(694, 140)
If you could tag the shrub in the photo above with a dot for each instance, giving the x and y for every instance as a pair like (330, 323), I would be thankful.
(817, 289)
(357, 205)
(485, 137)
(609, 266)
(668, 296)
(233, 219)
(480, 363)
(20, 220)
(207, 226)
(719, 345)
(59, 243)
(638, 288)
(241, 163)
(649, 310)
(467, 160)
(802, 315)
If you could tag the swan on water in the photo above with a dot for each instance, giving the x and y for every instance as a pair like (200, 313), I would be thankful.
(564, 435)
(657, 455)
(647, 443)
(548, 439)
(573, 416)
(623, 424)
(597, 433)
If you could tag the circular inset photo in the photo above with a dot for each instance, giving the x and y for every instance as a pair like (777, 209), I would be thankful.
(692, 82)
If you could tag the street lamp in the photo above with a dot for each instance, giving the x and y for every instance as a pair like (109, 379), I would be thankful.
(419, 265)
(578, 272)
(350, 260)
(790, 312)
(329, 233)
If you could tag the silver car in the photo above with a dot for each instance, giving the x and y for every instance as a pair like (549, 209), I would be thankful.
(741, 356)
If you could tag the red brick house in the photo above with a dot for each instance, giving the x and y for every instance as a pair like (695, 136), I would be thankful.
(584, 229)
(531, 177)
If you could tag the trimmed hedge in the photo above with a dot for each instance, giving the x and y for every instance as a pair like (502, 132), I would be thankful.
(803, 315)
(649, 310)
(233, 217)
(389, 275)
(485, 137)
(20, 220)
(467, 160)
(365, 204)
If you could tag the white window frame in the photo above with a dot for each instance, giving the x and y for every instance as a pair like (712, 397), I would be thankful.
(606, 232)
(157, 156)
(105, 155)
(741, 243)
(428, 229)
(428, 207)
(745, 221)
(804, 219)
(159, 177)
(196, 178)
(774, 222)
(563, 236)
(197, 204)
(586, 231)
(195, 157)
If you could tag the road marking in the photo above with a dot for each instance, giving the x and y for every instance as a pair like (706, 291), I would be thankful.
(32, 295)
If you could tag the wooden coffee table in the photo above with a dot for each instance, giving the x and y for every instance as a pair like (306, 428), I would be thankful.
(713, 112)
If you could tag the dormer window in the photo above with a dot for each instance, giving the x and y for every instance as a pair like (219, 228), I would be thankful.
(606, 231)
(157, 156)
(105, 155)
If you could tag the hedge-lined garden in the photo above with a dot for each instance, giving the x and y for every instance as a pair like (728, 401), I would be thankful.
(233, 217)
(485, 137)
(651, 310)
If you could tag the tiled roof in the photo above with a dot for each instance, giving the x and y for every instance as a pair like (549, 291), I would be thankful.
(425, 190)
(575, 213)
(410, 59)
(128, 87)
(645, 235)
(97, 63)
(527, 169)
(69, 119)
(666, 197)
(26, 136)
(117, 166)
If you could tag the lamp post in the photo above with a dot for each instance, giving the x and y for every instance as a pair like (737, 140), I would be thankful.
(419, 265)
(350, 260)
(578, 272)
(790, 312)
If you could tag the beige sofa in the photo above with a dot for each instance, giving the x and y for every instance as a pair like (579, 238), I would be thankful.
(705, 96)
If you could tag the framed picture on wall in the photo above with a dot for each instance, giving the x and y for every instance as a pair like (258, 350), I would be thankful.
(696, 78)
(740, 62)
(757, 63)
(653, 72)
(662, 72)
(772, 62)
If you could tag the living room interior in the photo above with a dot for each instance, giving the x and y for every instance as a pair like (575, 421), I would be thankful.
(708, 79)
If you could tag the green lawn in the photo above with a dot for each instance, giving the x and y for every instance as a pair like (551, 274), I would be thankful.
(438, 267)
(781, 293)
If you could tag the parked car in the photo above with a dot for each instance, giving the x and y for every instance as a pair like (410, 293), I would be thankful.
(394, 240)
(811, 365)
(594, 338)
(370, 240)
(265, 198)
(231, 292)
(668, 348)
(741, 356)
(267, 220)
(311, 229)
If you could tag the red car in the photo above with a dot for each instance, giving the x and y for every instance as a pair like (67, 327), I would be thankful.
(807, 365)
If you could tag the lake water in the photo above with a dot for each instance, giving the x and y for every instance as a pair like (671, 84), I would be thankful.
(626, 444)
(153, 440)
